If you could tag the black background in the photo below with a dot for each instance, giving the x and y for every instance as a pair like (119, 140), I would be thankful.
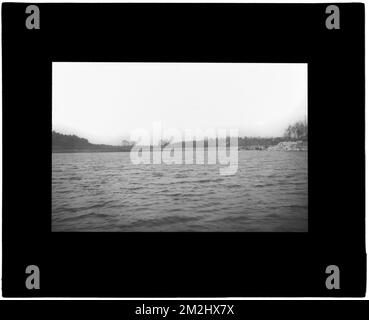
(186, 264)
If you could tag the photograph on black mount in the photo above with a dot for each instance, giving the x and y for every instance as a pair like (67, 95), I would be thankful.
(146, 167)
(183, 150)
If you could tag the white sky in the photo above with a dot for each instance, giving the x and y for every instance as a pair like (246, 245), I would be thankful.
(104, 102)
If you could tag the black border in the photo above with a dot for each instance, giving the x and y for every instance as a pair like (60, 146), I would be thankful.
(186, 264)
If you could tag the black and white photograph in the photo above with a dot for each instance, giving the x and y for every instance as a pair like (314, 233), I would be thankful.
(179, 147)
(169, 152)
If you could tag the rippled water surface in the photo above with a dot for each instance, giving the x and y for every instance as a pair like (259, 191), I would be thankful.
(105, 192)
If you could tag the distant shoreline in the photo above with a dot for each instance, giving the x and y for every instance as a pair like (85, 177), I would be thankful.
(125, 151)
(73, 144)
(86, 151)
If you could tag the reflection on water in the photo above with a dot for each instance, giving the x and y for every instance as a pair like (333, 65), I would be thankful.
(106, 192)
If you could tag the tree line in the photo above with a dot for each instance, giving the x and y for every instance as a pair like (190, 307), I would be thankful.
(297, 131)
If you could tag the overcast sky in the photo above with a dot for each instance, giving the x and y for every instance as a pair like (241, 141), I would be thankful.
(104, 102)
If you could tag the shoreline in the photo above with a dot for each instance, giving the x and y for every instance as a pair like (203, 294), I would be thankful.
(127, 151)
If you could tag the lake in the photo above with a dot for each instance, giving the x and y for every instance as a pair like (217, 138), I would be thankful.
(105, 192)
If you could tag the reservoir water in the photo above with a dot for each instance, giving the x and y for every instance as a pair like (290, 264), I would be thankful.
(105, 192)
